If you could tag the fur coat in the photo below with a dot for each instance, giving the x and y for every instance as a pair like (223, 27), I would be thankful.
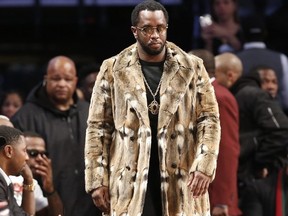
(118, 137)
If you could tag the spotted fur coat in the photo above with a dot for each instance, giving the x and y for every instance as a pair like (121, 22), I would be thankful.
(118, 137)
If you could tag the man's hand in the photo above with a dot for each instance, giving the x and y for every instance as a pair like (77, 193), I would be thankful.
(27, 175)
(44, 169)
(220, 211)
(101, 199)
(198, 183)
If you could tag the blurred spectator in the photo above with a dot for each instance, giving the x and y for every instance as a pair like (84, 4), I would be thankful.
(263, 125)
(87, 76)
(49, 202)
(256, 53)
(224, 33)
(54, 111)
(268, 79)
(223, 190)
(4, 120)
(41, 167)
(11, 102)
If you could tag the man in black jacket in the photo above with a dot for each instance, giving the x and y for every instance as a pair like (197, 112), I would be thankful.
(263, 124)
(53, 110)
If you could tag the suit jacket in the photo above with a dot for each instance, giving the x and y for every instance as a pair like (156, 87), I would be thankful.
(7, 194)
(223, 190)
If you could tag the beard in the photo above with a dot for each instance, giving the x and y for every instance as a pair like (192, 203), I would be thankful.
(150, 51)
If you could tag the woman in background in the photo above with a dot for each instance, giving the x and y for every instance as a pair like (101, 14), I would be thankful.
(223, 33)
(10, 103)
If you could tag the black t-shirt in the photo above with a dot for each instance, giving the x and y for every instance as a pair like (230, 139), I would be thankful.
(152, 72)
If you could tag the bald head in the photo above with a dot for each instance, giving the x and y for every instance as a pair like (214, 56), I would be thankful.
(208, 60)
(61, 81)
(228, 69)
(61, 63)
(4, 120)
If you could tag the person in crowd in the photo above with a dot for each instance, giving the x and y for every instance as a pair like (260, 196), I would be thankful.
(53, 110)
(13, 161)
(223, 33)
(17, 181)
(255, 53)
(263, 124)
(11, 102)
(153, 130)
(268, 79)
(87, 78)
(50, 204)
(223, 190)
(40, 168)
(4, 120)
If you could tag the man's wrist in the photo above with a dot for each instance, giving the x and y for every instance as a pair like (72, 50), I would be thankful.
(29, 187)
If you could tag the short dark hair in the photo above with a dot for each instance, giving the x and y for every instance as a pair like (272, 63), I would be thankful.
(149, 5)
(9, 135)
(31, 134)
(259, 67)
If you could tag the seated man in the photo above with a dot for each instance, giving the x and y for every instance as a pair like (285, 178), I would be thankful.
(13, 161)
(40, 164)
(41, 168)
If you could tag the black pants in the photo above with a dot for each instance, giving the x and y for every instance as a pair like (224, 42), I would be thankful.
(152, 205)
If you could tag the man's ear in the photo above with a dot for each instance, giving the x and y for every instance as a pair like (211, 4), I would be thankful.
(230, 74)
(8, 150)
(134, 31)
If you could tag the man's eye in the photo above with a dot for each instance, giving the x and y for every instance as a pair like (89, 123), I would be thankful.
(55, 78)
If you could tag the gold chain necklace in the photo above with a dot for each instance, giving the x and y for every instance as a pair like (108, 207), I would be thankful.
(154, 105)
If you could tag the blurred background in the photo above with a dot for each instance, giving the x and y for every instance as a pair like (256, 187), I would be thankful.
(33, 31)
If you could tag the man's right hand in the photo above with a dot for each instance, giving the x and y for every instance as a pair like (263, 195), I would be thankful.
(27, 175)
(220, 211)
(101, 198)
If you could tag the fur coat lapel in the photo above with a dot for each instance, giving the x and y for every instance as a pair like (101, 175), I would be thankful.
(129, 76)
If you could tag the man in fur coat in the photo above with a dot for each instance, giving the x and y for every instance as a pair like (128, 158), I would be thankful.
(153, 126)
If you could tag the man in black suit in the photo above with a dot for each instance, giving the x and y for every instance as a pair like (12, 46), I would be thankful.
(13, 158)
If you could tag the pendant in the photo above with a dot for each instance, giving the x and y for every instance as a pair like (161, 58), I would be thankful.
(154, 107)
